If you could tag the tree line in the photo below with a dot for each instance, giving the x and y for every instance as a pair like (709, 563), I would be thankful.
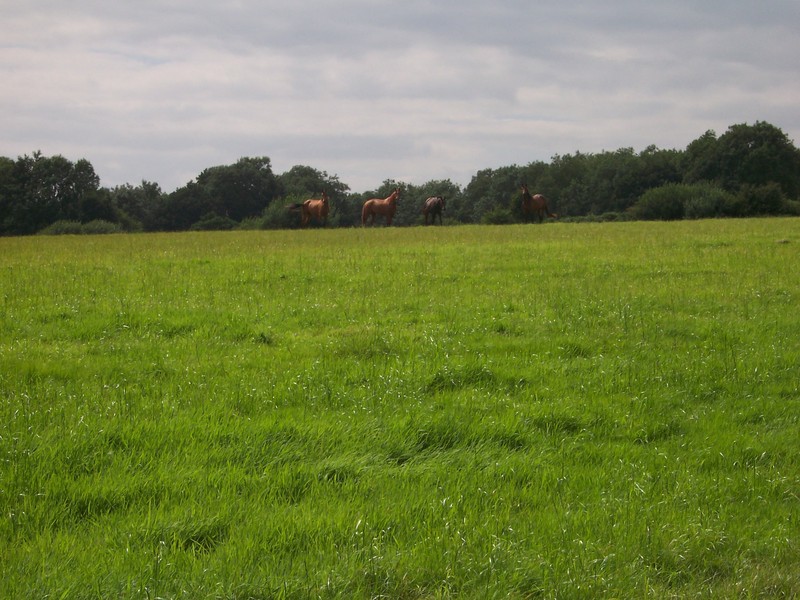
(749, 170)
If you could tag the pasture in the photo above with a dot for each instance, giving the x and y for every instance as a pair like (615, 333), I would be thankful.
(557, 411)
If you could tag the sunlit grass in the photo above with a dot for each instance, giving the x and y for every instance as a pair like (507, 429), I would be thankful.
(520, 411)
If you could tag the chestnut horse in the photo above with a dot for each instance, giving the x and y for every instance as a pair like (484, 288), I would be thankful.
(375, 206)
(534, 205)
(312, 208)
(433, 206)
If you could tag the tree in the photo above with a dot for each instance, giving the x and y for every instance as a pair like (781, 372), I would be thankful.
(241, 190)
(700, 161)
(415, 196)
(46, 190)
(302, 182)
(491, 189)
(745, 155)
(138, 205)
(183, 207)
(8, 192)
(757, 155)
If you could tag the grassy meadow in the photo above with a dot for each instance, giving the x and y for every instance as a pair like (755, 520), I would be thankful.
(556, 411)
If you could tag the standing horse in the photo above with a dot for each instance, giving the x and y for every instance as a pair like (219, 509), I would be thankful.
(312, 208)
(535, 205)
(375, 206)
(433, 206)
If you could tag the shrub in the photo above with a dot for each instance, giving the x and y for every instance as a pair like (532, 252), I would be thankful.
(706, 201)
(62, 228)
(677, 201)
(100, 226)
(498, 216)
(762, 200)
(251, 223)
(214, 222)
(663, 203)
(278, 216)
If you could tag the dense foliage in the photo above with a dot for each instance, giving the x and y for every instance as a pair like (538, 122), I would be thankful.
(749, 170)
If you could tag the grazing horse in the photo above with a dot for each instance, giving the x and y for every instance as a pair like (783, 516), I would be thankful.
(312, 208)
(376, 206)
(534, 205)
(433, 206)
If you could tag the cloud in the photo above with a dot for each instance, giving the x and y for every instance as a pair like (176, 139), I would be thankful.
(370, 90)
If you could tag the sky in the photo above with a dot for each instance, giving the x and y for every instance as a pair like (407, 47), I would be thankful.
(371, 90)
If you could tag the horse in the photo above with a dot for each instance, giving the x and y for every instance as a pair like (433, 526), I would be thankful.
(433, 206)
(312, 208)
(375, 206)
(535, 205)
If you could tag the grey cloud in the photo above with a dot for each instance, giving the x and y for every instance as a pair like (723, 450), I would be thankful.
(374, 90)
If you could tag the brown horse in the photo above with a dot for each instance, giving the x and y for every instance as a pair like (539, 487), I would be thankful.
(535, 205)
(375, 206)
(434, 206)
(312, 208)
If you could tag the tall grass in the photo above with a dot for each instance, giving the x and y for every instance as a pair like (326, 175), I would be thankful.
(520, 411)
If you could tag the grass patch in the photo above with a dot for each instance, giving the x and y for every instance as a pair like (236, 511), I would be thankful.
(579, 410)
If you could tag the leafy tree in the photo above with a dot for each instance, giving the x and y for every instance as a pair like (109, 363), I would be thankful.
(491, 189)
(757, 155)
(8, 192)
(241, 190)
(745, 155)
(138, 205)
(415, 197)
(302, 182)
(183, 207)
(569, 176)
(700, 161)
(45, 190)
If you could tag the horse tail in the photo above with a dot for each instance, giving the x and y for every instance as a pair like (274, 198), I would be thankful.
(295, 206)
(364, 212)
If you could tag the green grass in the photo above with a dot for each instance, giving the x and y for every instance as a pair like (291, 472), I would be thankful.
(560, 411)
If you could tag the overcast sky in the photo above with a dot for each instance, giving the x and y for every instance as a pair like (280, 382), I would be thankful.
(369, 90)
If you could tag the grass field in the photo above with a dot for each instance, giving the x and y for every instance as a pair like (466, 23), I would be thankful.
(559, 411)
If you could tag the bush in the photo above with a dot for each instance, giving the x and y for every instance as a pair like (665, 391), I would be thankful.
(62, 228)
(706, 201)
(498, 216)
(663, 203)
(762, 200)
(678, 201)
(251, 223)
(98, 226)
(214, 222)
(278, 216)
